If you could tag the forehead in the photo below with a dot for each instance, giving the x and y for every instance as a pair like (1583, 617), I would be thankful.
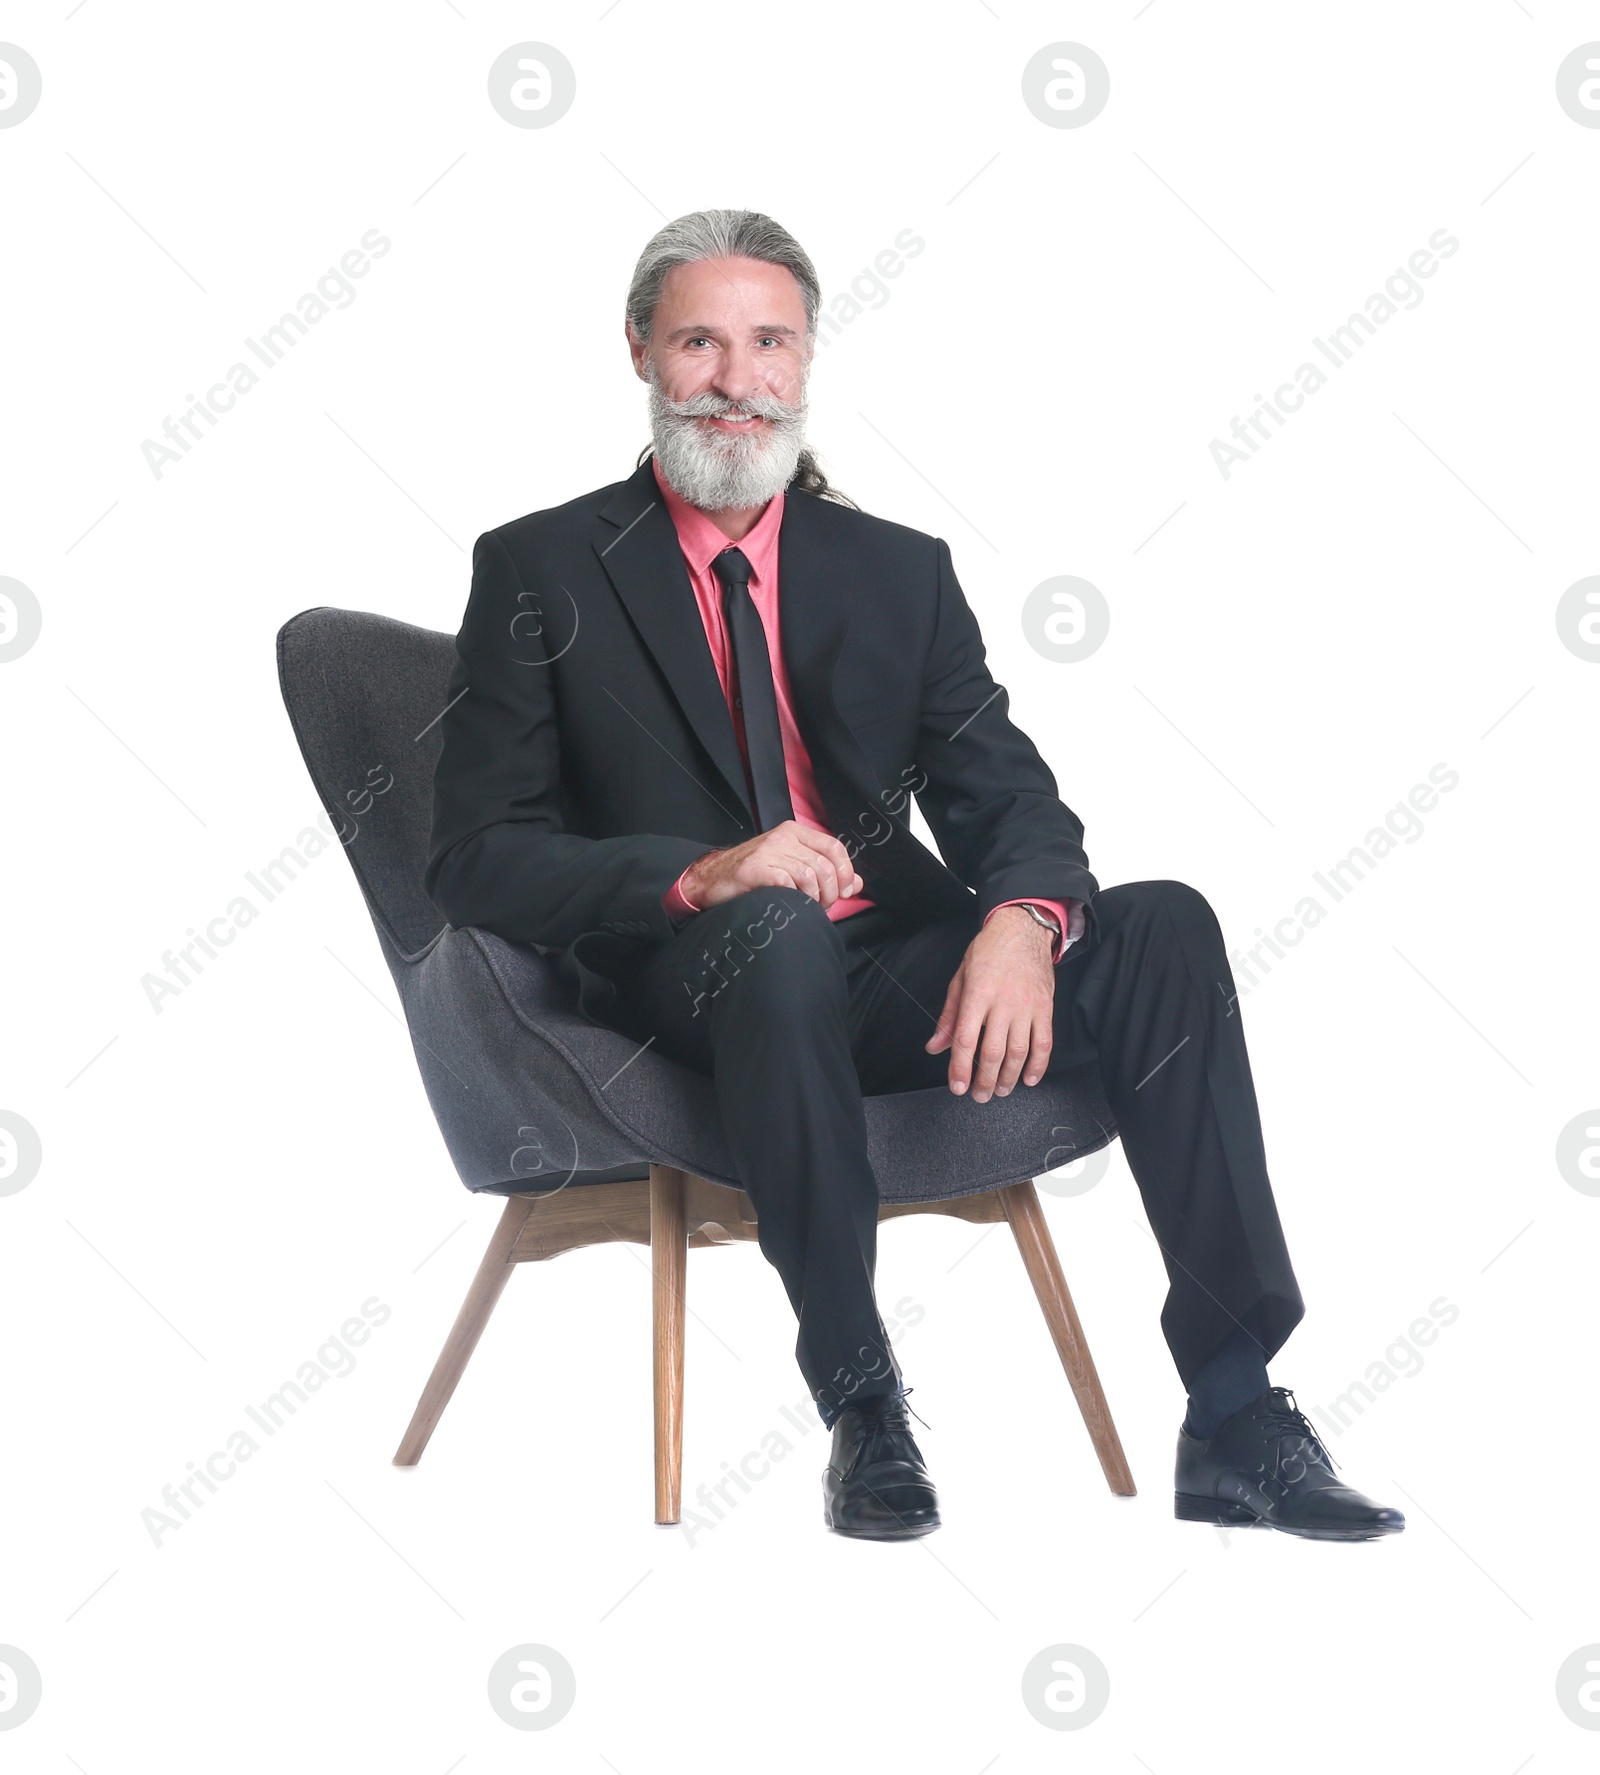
(728, 294)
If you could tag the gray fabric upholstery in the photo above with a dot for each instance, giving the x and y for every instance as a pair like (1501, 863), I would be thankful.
(528, 1094)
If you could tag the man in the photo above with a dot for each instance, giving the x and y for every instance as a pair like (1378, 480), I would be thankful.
(686, 715)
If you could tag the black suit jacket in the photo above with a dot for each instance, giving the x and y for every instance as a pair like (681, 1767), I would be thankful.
(589, 756)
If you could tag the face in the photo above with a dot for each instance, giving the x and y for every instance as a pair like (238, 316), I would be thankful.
(727, 362)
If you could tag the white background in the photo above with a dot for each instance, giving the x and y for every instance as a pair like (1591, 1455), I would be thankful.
(1291, 649)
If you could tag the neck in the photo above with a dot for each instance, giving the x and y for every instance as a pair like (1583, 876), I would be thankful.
(736, 521)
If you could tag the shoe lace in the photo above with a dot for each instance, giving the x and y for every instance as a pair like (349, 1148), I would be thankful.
(891, 1412)
(1283, 1413)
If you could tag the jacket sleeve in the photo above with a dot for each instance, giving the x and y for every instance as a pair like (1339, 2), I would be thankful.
(988, 796)
(499, 856)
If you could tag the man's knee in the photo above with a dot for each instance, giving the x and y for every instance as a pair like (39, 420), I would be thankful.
(758, 918)
(773, 943)
(1186, 907)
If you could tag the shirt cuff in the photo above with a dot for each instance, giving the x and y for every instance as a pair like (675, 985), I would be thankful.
(1069, 916)
(675, 903)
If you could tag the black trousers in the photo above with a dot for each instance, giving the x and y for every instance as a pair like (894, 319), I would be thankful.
(796, 1017)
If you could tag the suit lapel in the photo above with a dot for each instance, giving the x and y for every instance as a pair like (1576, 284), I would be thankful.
(821, 589)
(640, 554)
(816, 594)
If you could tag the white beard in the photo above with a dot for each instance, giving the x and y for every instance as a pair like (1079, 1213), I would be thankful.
(712, 469)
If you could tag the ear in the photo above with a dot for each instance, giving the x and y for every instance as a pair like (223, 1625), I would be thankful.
(638, 350)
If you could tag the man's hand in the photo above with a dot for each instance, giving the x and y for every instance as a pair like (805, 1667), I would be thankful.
(790, 855)
(1003, 992)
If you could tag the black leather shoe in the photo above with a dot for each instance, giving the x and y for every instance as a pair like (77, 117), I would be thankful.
(875, 1485)
(1266, 1465)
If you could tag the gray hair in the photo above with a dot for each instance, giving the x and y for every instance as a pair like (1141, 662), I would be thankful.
(729, 234)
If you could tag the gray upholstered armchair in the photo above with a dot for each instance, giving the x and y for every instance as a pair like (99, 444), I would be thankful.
(586, 1138)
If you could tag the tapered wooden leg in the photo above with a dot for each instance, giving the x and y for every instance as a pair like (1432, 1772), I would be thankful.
(669, 1264)
(1021, 1203)
(493, 1274)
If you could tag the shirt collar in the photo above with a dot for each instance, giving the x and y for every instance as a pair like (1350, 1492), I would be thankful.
(701, 540)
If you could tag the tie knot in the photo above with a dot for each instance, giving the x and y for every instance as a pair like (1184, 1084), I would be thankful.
(732, 567)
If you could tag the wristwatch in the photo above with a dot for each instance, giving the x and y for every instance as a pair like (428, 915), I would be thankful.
(1040, 918)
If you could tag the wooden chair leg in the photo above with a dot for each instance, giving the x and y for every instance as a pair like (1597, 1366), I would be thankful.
(1021, 1204)
(669, 1264)
(493, 1274)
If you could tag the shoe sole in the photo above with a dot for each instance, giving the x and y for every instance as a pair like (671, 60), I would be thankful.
(1223, 1514)
(908, 1531)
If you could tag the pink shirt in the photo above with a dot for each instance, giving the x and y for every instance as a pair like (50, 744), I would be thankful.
(702, 541)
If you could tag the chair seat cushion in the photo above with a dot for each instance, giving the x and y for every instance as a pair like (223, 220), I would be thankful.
(529, 1094)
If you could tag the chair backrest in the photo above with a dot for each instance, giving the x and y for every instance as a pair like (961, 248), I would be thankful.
(364, 695)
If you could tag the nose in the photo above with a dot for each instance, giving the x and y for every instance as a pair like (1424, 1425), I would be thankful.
(746, 373)
(739, 374)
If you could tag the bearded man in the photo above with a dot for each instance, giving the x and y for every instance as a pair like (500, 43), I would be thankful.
(684, 718)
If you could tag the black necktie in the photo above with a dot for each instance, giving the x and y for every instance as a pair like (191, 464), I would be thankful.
(752, 691)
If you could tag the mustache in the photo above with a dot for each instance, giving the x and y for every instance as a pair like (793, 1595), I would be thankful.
(714, 406)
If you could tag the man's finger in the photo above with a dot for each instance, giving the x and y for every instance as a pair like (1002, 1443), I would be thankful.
(991, 1055)
(1018, 1041)
(826, 845)
(827, 877)
(774, 874)
(810, 865)
(944, 1029)
(815, 840)
(1039, 1052)
(964, 1044)
(805, 877)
